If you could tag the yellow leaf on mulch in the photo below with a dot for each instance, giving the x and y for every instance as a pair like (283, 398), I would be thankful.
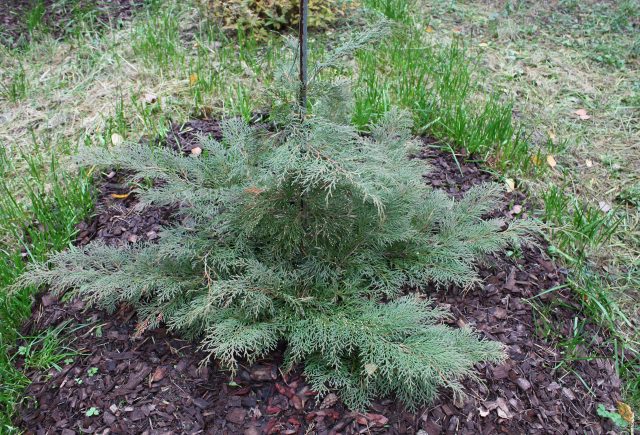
(120, 195)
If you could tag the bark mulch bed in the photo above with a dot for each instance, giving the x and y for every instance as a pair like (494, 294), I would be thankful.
(154, 385)
(57, 15)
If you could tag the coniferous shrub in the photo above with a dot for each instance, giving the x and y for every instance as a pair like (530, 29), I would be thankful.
(308, 234)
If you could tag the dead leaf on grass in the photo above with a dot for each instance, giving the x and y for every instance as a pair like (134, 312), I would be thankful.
(552, 135)
(193, 79)
(511, 184)
(582, 114)
(429, 29)
(604, 206)
(150, 98)
(116, 139)
(196, 151)
(589, 163)
(551, 161)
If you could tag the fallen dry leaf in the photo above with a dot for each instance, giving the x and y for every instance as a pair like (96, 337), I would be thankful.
(329, 400)
(196, 151)
(150, 98)
(193, 79)
(429, 29)
(254, 190)
(535, 159)
(159, 374)
(120, 195)
(551, 161)
(604, 206)
(377, 419)
(626, 412)
(552, 135)
(503, 408)
(116, 139)
(589, 163)
(511, 184)
(582, 114)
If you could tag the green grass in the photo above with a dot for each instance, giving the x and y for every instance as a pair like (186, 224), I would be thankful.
(32, 226)
(15, 88)
(503, 81)
(47, 350)
(438, 84)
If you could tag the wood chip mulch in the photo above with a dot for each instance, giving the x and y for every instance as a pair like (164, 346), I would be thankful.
(154, 384)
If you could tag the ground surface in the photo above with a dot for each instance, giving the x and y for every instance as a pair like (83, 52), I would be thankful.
(72, 74)
(554, 59)
(20, 18)
(154, 382)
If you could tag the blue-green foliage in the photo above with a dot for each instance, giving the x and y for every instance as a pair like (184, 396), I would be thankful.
(307, 234)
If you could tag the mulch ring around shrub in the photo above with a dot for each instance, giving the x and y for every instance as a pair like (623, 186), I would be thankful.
(55, 16)
(154, 384)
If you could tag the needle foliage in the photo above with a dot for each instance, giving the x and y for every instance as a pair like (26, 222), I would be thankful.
(307, 234)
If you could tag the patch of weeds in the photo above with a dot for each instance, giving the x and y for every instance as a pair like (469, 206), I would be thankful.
(117, 123)
(624, 16)
(84, 18)
(15, 88)
(615, 417)
(156, 40)
(34, 18)
(41, 352)
(31, 226)
(92, 371)
(398, 10)
(575, 225)
(438, 84)
(608, 54)
(149, 113)
(630, 195)
(45, 350)
(92, 412)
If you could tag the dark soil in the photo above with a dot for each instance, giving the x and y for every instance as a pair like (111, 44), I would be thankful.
(57, 17)
(153, 384)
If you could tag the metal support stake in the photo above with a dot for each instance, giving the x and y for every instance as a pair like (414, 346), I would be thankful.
(302, 34)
